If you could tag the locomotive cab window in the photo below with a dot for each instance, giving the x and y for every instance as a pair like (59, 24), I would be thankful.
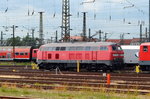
(114, 48)
(145, 48)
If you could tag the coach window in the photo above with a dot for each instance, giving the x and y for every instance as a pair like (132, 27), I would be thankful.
(21, 53)
(9, 49)
(16, 53)
(26, 53)
(63, 48)
(145, 48)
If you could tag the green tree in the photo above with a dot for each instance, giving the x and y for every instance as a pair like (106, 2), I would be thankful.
(17, 41)
(28, 41)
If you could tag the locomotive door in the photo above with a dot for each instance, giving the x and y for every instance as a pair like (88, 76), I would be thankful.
(94, 55)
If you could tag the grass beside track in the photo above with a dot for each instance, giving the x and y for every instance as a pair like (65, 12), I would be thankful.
(16, 63)
(64, 94)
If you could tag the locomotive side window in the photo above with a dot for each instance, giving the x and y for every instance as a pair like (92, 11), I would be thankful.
(103, 48)
(45, 49)
(50, 49)
(41, 49)
(88, 48)
(57, 48)
(26, 53)
(63, 48)
(72, 48)
(94, 48)
(53, 49)
(145, 49)
(79, 48)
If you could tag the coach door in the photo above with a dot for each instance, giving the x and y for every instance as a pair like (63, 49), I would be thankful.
(8, 56)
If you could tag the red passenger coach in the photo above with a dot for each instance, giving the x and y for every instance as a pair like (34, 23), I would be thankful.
(5, 53)
(22, 53)
(91, 55)
(144, 56)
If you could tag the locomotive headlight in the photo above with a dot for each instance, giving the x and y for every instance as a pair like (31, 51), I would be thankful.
(115, 54)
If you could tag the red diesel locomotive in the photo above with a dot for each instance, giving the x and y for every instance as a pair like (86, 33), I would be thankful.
(91, 55)
(22, 53)
(144, 56)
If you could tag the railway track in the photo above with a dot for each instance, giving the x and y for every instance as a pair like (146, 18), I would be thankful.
(8, 97)
(123, 82)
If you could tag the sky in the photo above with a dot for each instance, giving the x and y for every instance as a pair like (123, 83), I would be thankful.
(114, 17)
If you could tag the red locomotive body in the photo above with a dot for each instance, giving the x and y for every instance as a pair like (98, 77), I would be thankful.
(144, 56)
(92, 55)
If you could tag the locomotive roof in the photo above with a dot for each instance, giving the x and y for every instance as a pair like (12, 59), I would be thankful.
(79, 44)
